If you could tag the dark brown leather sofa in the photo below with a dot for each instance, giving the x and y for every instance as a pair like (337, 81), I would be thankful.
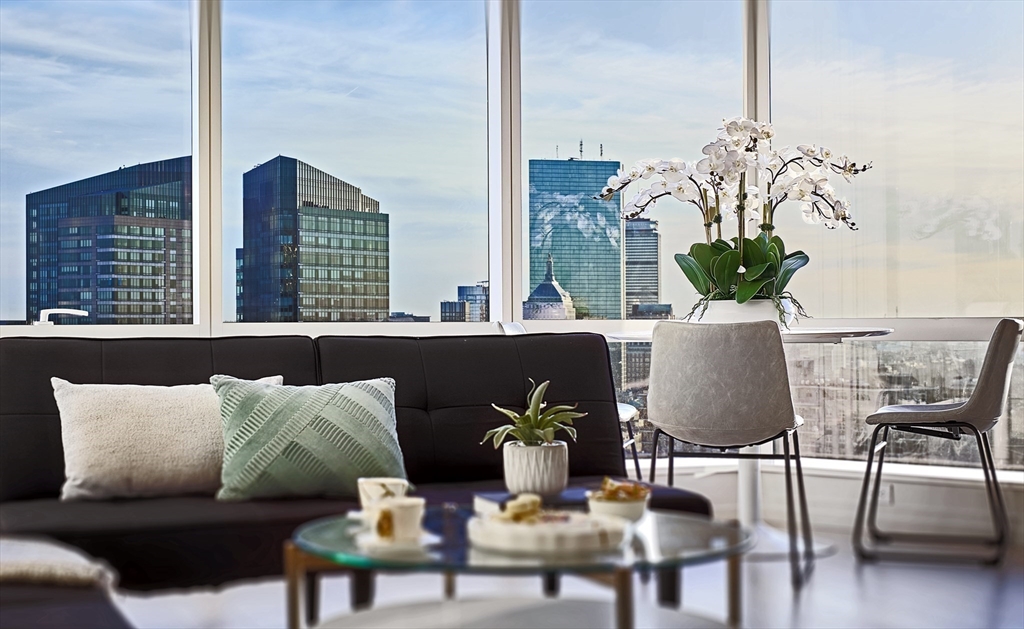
(445, 386)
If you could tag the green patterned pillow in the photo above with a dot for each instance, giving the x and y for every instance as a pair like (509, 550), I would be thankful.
(282, 441)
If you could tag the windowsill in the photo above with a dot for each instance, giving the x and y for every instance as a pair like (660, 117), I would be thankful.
(921, 474)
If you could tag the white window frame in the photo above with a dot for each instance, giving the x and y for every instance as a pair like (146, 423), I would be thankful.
(505, 213)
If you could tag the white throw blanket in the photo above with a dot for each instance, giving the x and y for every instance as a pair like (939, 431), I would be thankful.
(41, 561)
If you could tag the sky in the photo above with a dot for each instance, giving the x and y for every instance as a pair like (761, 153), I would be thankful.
(391, 97)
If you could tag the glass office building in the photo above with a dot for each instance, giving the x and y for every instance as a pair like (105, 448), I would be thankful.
(472, 304)
(314, 248)
(643, 245)
(582, 234)
(117, 245)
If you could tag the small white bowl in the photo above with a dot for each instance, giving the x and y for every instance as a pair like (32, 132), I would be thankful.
(631, 510)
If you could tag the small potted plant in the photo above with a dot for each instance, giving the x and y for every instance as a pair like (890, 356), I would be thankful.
(535, 462)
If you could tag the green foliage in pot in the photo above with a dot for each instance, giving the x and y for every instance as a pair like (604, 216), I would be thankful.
(760, 270)
(538, 424)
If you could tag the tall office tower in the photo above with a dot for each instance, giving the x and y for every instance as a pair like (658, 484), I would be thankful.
(472, 304)
(239, 283)
(549, 300)
(314, 247)
(643, 246)
(117, 245)
(583, 234)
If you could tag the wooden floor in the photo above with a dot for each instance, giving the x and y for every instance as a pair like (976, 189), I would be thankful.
(841, 593)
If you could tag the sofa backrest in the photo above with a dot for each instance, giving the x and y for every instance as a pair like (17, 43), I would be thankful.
(31, 452)
(445, 387)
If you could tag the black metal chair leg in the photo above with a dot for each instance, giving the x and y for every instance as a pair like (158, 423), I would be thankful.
(655, 438)
(636, 457)
(805, 515)
(312, 598)
(993, 504)
(873, 530)
(670, 587)
(552, 584)
(1003, 515)
(858, 523)
(794, 555)
(671, 461)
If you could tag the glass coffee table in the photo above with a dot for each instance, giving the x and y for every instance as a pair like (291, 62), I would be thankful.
(661, 540)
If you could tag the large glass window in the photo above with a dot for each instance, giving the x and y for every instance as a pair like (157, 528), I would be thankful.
(605, 84)
(96, 161)
(355, 161)
(932, 93)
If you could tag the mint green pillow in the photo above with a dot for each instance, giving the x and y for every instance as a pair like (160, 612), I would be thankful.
(283, 441)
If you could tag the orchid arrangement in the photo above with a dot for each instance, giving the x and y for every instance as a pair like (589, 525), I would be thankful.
(742, 178)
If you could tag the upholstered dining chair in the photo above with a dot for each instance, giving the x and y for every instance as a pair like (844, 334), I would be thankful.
(726, 386)
(977, 416)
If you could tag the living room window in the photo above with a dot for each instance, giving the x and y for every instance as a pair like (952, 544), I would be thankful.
(354, 161)
(96, 111)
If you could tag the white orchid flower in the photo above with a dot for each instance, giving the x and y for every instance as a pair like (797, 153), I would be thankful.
(808, 150)
(811, 216)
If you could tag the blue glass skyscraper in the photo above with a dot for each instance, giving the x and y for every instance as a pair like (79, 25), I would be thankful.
(117, 245)
(583, 235)
(314, 248)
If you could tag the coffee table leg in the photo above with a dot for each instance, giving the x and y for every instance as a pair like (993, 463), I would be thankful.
(623, 598)
(735, 590)
(449, 585)
(293, 570)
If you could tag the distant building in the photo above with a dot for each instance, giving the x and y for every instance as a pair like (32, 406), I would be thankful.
(583, 234)
(643, 247)
(472, 304)
(314, 248)
(408, 317)
(549, 300)
(651, 311)
(117, 245)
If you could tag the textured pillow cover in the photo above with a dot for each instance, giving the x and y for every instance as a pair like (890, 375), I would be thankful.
(135, 441)
(283, 441)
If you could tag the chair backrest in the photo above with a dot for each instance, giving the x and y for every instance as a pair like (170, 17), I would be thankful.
(719, 384)
(988, 402)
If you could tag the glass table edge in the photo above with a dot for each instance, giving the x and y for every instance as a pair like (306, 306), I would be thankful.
(364, 562)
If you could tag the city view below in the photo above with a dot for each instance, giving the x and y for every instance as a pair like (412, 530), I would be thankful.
(836, 386)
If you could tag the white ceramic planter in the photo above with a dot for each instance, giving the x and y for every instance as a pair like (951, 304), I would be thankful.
(728, 311)
(542, 469)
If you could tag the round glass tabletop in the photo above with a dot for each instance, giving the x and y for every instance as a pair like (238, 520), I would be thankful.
(660, 539)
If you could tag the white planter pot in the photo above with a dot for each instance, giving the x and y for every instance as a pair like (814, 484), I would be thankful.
(542, 469)
(728, 311)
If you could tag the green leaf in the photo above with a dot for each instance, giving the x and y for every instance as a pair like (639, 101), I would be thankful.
(537, 398)
(549, 435)
(752, 254)
(762, 242)
(555, 410)
(726, 269)
(514, 416)
(754, 272)
(780, 246)
(746, 290)
(789, 266)
(722, 245)
(773, 255)
(694, 273)
(569, 430)
(704, 255)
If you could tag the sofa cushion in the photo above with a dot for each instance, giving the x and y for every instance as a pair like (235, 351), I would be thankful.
(445, 386)
(51, 607)
(283, 441)
(136, 441)
(31, 452)
(196, 540)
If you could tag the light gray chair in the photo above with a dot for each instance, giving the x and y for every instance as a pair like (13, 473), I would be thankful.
(945, 421)
(726, 386)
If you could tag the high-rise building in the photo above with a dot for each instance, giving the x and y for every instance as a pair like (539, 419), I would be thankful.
(314, 248)
(549, 300)
(643, 246)
(117, 245)
(472, 304)
(583, 234)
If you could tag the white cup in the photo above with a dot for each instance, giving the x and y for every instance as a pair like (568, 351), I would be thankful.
(398, 519)
(373, 489)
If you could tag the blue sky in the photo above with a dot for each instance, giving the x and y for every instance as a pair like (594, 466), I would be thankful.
(391, 97)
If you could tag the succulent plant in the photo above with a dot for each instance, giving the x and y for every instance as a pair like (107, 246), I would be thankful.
(538, 424)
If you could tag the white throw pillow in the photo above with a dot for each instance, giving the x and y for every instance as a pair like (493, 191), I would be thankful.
(135, 441)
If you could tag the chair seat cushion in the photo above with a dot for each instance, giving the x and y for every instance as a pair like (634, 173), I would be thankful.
(199, 541)
(917, 414)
